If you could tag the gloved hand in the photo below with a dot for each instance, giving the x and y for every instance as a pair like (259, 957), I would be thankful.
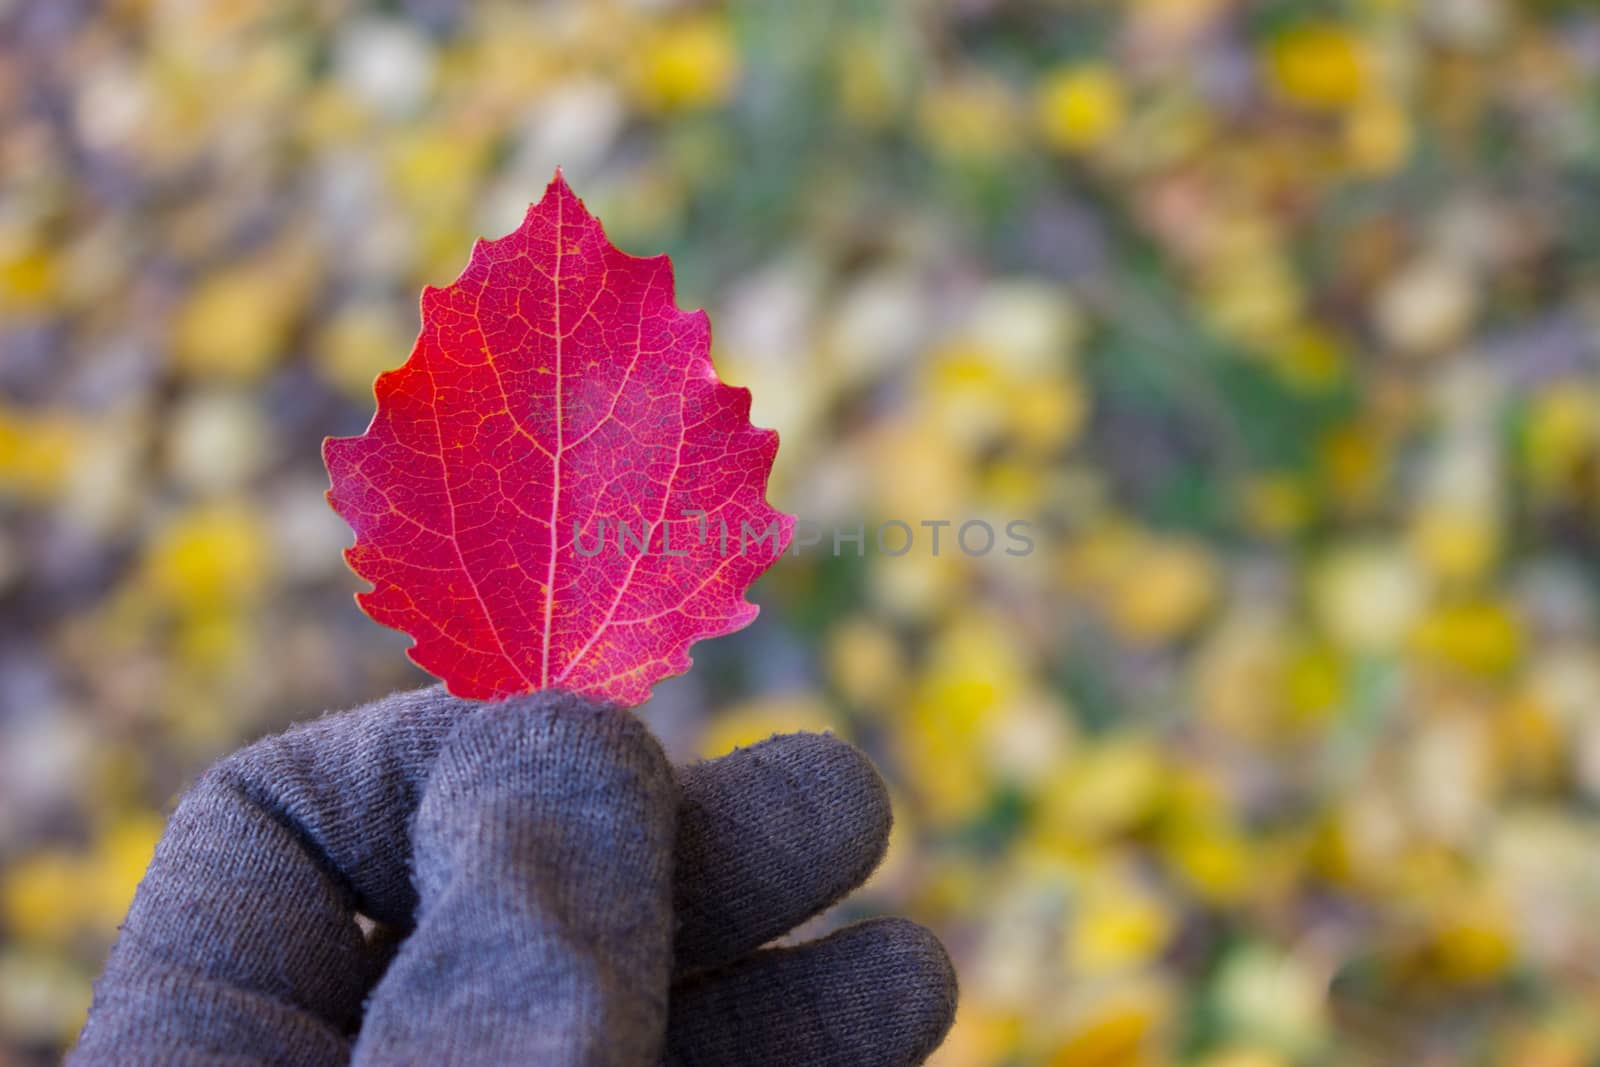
(546, 890)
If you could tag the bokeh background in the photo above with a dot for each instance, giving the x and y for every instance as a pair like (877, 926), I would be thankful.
(1280, 320)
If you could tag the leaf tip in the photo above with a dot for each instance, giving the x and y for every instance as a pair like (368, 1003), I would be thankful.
(558, 185)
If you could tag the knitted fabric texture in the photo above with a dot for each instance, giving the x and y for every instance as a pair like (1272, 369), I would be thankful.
(541, 887)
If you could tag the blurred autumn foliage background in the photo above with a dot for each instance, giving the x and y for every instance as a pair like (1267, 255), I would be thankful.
(1280, 320)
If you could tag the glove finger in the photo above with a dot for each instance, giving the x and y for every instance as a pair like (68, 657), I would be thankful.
(881, 993)
(543, 863)
(769, 836)
(242, 935)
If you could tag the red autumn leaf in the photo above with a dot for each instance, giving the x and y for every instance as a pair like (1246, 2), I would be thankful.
(557, 412)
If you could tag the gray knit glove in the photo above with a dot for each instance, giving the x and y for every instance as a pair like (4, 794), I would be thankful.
(538, 886)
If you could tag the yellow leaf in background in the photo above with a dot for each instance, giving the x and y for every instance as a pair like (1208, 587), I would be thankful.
(745, 724)
(1377, 136)
(210, 640)
(1310, 359)
(979, 1037)
(1016, 485)
(235, 324)
(973, 671)
(436, 171)
(1455, 543)
(970, 118)
(1237, 674)
(688, 63)
(360, 343)
(28, 278)
(920, 471)
(1107, 789)
(1316, 683)
(1530, 745)
(331, 115)
(209, 558)
(1117, 925)
(1044, 416)
(203, 575)
(1560, 433)
(1473, 942)
(966, 392)
(865, 660)
(1277, 505)
(1258, 299)
(1080, 107)
(116, 865)
(973, 668)
(870, 81)
(42, 897)
(1164, 591)
(1097, 558)
(1319, 65)
(1215, 861)
(1355, 464)
(1121, 1030)
(37, 452)
(56, 897)
(1008, 371)
(1480, 636)
(516, 54)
